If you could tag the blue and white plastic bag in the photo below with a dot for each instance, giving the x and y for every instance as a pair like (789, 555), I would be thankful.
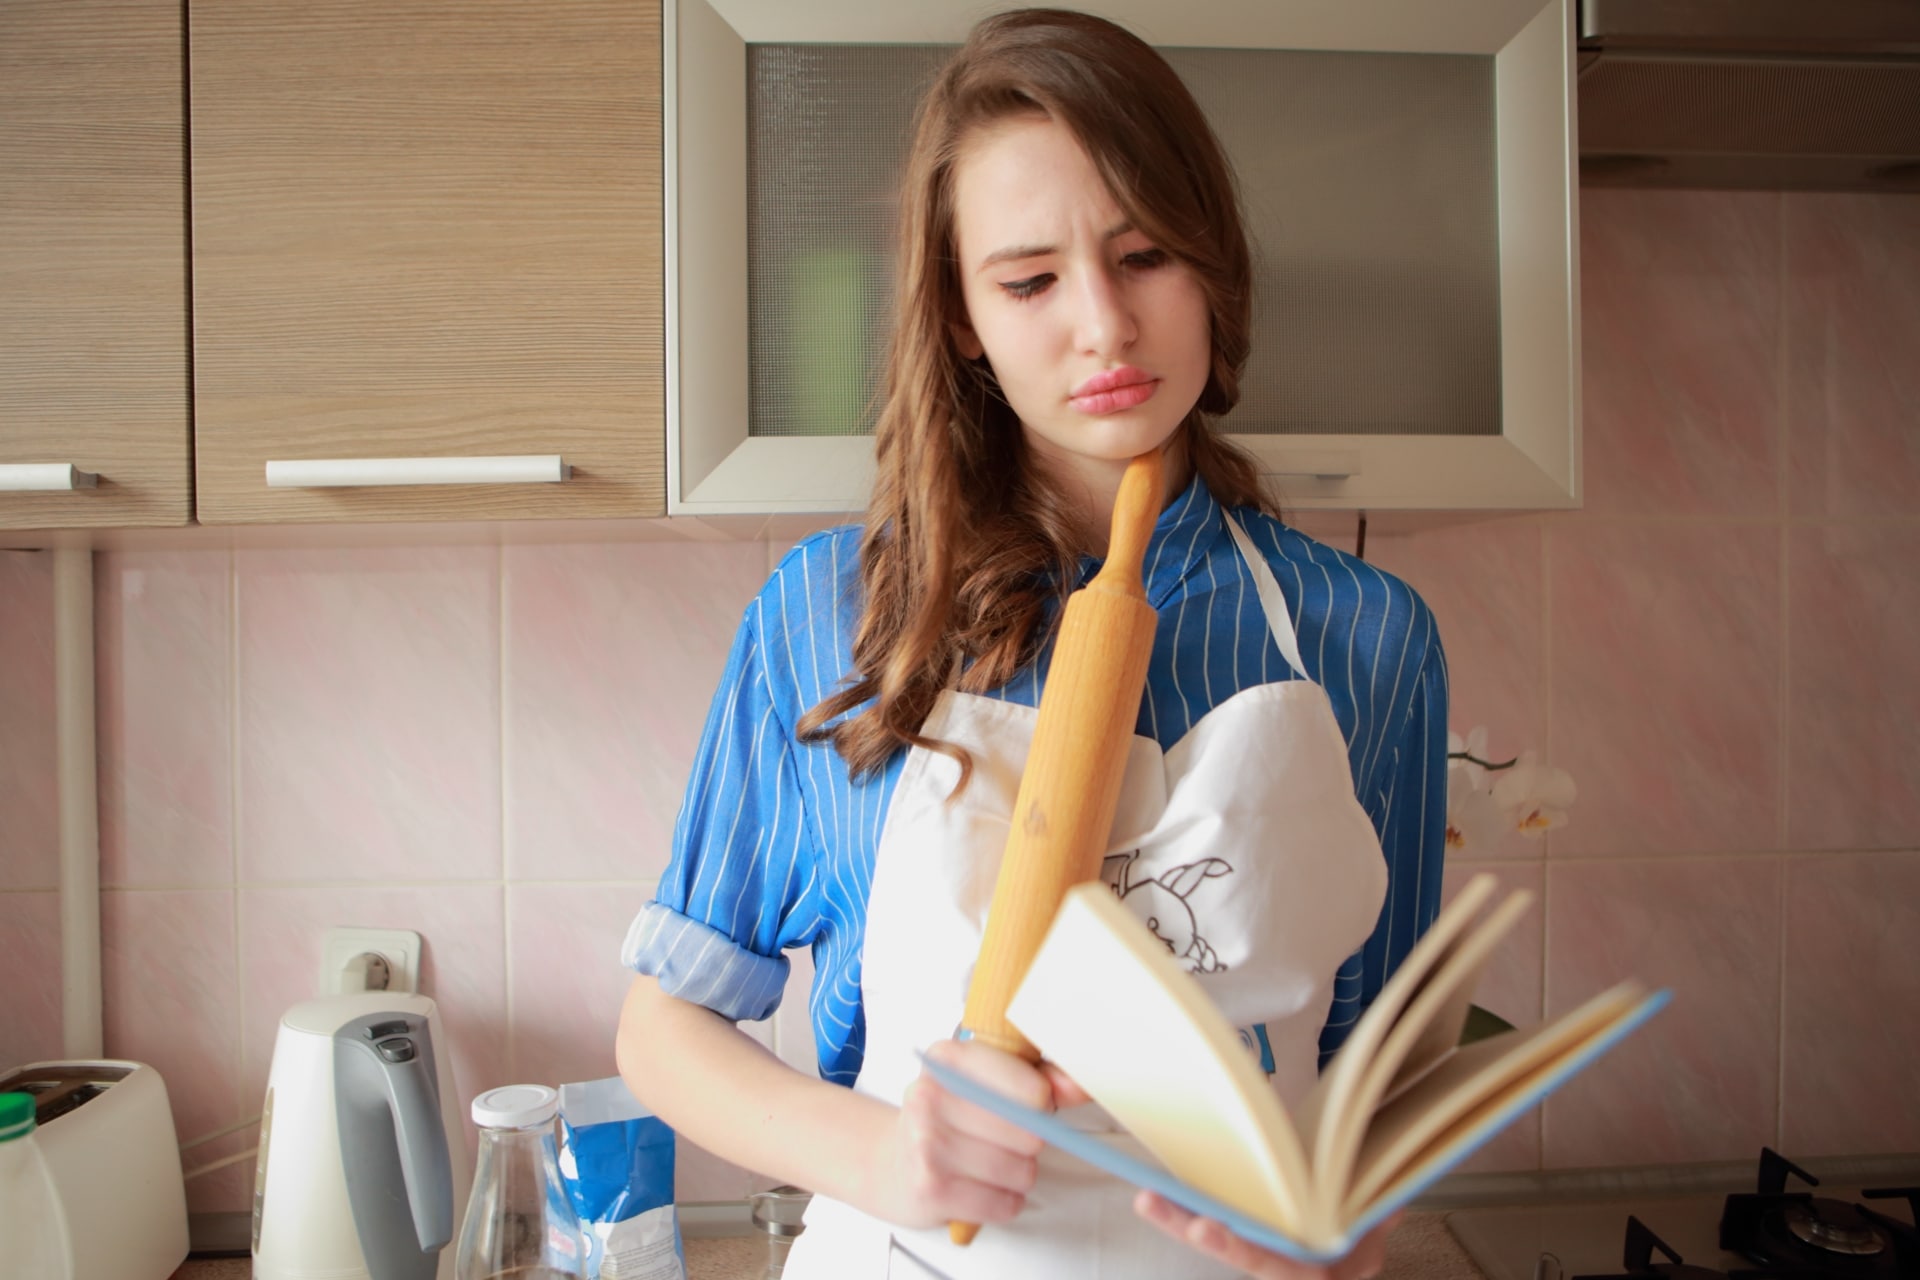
(616, 1158)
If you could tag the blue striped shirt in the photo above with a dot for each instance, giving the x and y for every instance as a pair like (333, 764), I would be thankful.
(775, 843)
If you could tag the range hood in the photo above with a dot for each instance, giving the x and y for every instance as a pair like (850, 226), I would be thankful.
(1808, 95)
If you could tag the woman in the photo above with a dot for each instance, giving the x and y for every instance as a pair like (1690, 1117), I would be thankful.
(1072, 291)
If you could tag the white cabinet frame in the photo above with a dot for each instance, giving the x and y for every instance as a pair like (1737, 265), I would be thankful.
(714, 467)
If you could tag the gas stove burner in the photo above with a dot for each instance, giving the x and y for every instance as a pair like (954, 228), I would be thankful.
(1834, 1225)
(1817, 1235)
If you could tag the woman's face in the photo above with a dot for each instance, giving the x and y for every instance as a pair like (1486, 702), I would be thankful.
(1099, 339)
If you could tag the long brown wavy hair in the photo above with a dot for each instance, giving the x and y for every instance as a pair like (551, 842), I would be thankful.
(965, 541)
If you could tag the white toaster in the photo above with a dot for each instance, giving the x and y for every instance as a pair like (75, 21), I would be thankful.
(106, 1134)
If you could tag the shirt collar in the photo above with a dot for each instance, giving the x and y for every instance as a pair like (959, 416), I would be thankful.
(1182, 538)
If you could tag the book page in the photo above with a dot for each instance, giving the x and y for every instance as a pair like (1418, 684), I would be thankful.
(1345, 1073)
(1427, 1121)
(1424, 1035)
(1438, 1019)
(1107, 1002)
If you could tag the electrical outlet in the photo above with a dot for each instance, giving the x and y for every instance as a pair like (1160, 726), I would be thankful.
(341, 972)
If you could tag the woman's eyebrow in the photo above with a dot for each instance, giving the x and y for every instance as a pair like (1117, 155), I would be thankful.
(1015, 252)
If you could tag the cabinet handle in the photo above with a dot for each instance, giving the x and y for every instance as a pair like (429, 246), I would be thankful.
(38, 477)
(336, 473)
(1331, 464)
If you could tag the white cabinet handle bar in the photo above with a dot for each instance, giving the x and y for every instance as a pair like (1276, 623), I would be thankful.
(336, 473)
(1331, 464)
(44, 477)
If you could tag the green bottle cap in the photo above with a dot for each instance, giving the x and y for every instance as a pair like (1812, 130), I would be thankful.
(16, 1115)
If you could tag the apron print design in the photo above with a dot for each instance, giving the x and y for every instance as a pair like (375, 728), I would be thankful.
(1165, 904)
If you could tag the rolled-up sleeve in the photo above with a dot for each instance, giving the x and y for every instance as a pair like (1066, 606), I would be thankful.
(742, 862)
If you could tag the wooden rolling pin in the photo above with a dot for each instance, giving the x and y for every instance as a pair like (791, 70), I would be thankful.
(1070, 787)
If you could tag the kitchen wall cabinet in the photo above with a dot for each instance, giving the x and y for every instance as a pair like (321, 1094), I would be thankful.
(446, 229)
(1361, 181)
(426, 229)
(93, 262)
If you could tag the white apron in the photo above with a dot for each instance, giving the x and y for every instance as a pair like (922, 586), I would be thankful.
(1242, 846)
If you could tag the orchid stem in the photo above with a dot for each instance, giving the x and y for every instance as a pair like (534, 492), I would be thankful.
(1484, 764)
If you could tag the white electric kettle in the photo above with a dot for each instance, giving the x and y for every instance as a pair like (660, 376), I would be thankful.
(362, 1168)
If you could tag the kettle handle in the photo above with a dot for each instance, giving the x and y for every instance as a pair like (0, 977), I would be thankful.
(424, 1163)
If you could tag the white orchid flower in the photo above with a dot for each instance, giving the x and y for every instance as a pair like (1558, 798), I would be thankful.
(1534, 796)
(1474, 821)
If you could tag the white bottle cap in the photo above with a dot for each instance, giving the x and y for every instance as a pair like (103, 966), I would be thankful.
(516, 1106)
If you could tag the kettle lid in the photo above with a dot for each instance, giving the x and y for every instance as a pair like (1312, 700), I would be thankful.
(327, 1014)
(516, 1106)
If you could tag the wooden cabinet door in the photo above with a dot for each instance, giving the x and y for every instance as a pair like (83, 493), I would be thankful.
(93, 261)
(427, 228)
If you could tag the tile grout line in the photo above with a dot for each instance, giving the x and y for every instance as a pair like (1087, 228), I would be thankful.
(1546, 859)
(1783, 507)
(1780, 1017)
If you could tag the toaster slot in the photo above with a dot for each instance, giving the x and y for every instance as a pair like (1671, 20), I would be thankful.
(53, 1107)
(58, 1089)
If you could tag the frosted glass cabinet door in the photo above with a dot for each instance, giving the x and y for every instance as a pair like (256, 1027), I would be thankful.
(426, 230)
(1408, 172)
(93, 265)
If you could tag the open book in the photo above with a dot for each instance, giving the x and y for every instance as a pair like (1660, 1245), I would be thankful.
(1400, 1104)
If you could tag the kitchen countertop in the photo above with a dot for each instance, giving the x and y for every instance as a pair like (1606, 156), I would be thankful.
(1420, 1247)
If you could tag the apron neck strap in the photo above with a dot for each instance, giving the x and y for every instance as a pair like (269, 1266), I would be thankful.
(1279, 619)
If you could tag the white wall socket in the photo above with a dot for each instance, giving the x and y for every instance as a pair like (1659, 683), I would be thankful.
(341, 971)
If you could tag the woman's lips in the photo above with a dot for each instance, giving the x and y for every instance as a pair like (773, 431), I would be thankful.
(1114, 390)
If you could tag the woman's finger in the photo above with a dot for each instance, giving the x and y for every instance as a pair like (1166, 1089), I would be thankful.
(999, 1071)
(1211, 1238)
(1066, 1090)
(949, 1137)
(1216, 1241)
(1369, 1257)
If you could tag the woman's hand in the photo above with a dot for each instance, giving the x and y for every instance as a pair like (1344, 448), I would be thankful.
(1217, 1242)
(945, 1159)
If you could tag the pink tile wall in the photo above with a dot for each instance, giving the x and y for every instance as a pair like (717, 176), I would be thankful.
(1853, 387)
(163, 690)
(1680, 311)
(1665, 689)
(488, 745)
(168, 965)
(1702, 1080)
(1852, 1004)
(368, 728)
(1853, 706)
(612, 654)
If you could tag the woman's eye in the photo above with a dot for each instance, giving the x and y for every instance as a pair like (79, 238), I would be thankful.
(1028, 287)
(1146, 258)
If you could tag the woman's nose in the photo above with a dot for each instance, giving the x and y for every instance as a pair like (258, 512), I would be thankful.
(1106, 320)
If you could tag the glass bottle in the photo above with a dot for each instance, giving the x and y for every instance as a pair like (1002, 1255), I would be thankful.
(520, 1224)
(780, 1216)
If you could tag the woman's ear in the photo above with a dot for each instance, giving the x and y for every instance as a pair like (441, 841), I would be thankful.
(966, 340)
